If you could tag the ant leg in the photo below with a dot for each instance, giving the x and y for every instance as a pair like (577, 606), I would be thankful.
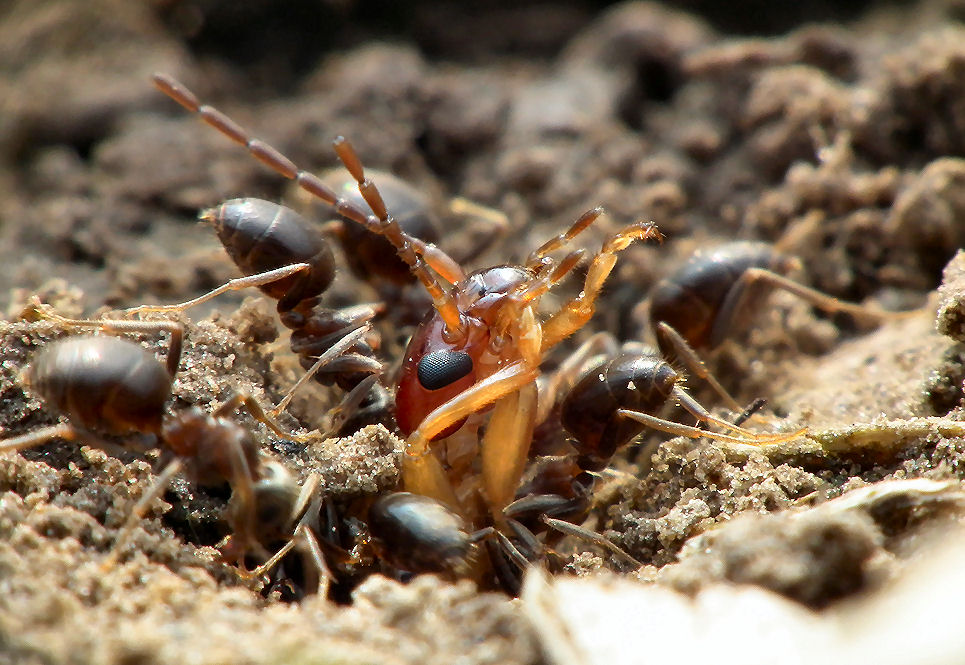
(236, 284)
(333, 352)
(299, 515)
(38, 437)
(256, 411)
(696, 433)
(422, 472)
(242, 483)
(505, 446)
(272, 561)
(513, 552)
(738, 296)
(694, 364)
(532, 548)
(175, 329)
(325, 576)
(590, 536)
(496, 219)
(496, 223)
(305, 496)
(305, 532)
(537, 505)
(137, 513)
(338, 415)
(695, 409)
(507, 562)
(574, 314)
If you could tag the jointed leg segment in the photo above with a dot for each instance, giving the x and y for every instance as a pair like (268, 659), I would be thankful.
(575, 313)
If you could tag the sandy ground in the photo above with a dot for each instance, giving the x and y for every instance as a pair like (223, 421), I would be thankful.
(842, 143)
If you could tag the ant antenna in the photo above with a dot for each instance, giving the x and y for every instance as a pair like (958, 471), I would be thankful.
(409, 249)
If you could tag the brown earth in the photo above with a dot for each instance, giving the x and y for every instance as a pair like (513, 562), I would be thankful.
(842, 142)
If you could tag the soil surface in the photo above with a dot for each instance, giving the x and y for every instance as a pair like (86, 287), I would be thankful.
(837, 136)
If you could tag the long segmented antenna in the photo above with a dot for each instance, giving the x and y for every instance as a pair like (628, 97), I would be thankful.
(380, 222)
(390, 229)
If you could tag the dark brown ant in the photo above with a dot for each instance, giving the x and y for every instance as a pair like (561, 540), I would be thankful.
(418, 534)
(287, 517)
(700, 304)
(291, 262)
(617, 399)
(113, 386)
(586, 393)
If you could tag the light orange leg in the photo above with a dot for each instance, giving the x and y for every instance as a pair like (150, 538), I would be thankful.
(547, 270)
(444, 265)
(236, 284)
(548, 276)
(421, 471)
(574, 314)
(585, 221)
(505, 446)
(137, 513)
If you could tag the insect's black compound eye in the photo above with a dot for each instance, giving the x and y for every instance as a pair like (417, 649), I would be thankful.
(439, 369)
